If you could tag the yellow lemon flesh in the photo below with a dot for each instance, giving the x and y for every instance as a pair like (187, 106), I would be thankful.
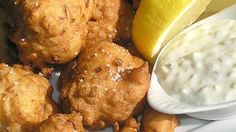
(157, 21)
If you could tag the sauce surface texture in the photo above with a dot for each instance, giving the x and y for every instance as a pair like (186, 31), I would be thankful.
(199, 66)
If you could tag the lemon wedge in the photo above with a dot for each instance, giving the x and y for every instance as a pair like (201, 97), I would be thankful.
(157, 21)
(216, 6)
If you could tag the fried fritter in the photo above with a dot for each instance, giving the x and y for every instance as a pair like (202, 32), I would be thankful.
(105, 84)
(154, 121)
(48, 31)
(7, 55)
(62, 123)
(131, 125)
(111, 20)
(25, 99)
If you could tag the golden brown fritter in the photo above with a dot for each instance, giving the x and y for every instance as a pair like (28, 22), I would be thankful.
(7, 55)
(111, 20)
(62, 123)
(48, 31)
(25, 99)
(105, 84)
(154, 121)
(130, 125)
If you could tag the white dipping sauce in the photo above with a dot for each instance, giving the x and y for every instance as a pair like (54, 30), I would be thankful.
(199, 66)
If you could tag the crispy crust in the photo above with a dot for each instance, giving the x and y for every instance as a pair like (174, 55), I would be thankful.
(130, 125)
(154, 121)
(111, 20)
(48, 31)
(106, 85)
(25, 99)
(62, 123)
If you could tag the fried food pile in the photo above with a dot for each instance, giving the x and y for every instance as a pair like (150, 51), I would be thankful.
(25, 99)
(54, 32)
(102, 84)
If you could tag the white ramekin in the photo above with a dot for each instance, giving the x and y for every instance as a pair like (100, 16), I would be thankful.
(162, 102)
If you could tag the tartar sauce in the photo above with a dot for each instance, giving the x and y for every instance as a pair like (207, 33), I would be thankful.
(199, 66)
